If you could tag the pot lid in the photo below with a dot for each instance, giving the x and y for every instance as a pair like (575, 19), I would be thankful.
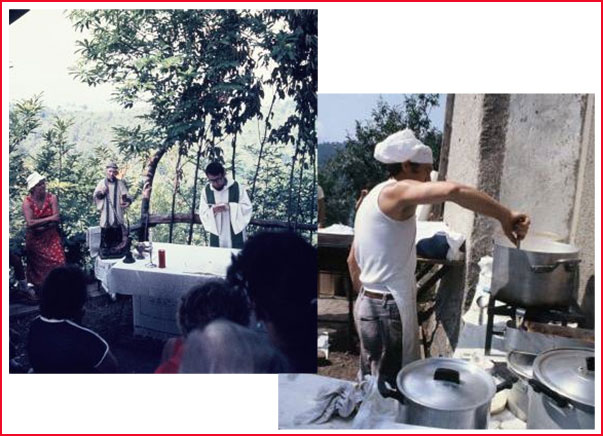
(568, 372)
(539, 244)
(521, 363)
(446, 384)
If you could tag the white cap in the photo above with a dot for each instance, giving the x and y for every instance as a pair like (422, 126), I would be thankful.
(403, 146)
(33, 179)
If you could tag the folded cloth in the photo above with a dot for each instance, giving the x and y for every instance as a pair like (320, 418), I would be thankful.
(343, 401)
(435, 247)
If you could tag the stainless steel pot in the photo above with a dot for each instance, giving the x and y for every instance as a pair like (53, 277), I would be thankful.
(543, 273)
(445, 393)
(562, 394)
(520, 364)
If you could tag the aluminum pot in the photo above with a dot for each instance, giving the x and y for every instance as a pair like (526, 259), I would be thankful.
(562, 394)
(520, 364)
(543, 273)
(445, 393)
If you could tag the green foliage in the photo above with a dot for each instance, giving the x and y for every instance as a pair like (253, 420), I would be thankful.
(353, 167)
(24, 118)
(203, 75)
(190, 79)
(71, 177)
(193, 68)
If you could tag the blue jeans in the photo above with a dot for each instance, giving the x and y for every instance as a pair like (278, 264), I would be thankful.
(379, 327)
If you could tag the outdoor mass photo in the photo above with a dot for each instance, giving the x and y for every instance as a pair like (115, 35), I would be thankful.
(456, 265)
(163, 191)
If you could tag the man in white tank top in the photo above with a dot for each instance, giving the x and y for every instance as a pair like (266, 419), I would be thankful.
(382, 260)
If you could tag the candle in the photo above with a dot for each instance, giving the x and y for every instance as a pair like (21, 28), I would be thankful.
(161, 253)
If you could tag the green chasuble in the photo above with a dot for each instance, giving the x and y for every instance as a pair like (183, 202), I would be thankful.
(233, 197)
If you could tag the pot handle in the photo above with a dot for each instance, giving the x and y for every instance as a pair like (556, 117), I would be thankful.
(570, 264)
(541, 388)
(447, 374)
(590, 363)
(387, 391)
(506, 375)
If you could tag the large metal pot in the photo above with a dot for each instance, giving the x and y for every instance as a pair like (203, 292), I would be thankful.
(445, 393)
(543, 273)
(563, 390)
(520, 364)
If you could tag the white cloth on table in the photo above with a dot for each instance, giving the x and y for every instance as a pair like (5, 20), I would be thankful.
(186, 266)
(101, 270)
(238, 214)
(157, 291)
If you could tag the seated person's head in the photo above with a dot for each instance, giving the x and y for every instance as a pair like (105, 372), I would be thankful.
(63, 294)
(225, 347)
(279, 273)
(210, 301)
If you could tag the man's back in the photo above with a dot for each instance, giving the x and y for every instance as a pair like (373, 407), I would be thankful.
(384, 247)
(62, 346)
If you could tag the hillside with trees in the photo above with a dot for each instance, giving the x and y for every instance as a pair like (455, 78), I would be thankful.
(195, 86)
(352, 166)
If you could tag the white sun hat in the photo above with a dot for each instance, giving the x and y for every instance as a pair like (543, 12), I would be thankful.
(403, 146)
(33, 179)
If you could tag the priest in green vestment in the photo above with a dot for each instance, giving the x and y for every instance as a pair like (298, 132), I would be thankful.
(225, 209)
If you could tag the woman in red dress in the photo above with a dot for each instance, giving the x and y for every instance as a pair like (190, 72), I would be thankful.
(42, 240)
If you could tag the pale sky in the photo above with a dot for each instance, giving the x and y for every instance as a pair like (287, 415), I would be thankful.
(41, 49)
(338, 113)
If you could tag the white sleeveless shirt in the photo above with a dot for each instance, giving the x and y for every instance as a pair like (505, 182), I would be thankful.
(385, 251)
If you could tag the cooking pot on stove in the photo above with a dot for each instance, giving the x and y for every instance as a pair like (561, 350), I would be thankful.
(445, 393)
(542, 273)
(562, 394)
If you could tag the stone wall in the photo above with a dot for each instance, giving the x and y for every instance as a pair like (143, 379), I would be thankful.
(536, 154)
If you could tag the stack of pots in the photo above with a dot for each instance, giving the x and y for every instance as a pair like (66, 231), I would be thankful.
(520, 364)
(562, 394)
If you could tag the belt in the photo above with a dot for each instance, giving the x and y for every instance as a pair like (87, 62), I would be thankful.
(378, 295)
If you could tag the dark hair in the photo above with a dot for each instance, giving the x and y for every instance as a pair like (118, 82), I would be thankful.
(395, 168)
(215, 169)
(279, 272)
(210, 301)
(63, 293)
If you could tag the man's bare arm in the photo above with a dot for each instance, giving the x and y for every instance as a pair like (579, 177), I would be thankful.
(354, 270)
(514, 224)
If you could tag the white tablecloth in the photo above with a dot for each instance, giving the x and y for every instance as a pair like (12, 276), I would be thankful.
(186, 266)
(157, 291)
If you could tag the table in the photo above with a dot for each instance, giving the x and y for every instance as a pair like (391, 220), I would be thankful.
(157, 291)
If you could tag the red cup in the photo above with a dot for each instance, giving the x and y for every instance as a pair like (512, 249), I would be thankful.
(161, 254)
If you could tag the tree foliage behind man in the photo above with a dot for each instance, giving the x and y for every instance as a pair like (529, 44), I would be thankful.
(353, 168)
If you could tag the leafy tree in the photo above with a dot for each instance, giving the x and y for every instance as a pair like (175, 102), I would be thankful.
(202, 74)
(353, 167)
(294, 51)
(69, 176)
(24, 118)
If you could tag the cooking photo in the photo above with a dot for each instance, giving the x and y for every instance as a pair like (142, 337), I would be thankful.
(456, 246)
(162, 191)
